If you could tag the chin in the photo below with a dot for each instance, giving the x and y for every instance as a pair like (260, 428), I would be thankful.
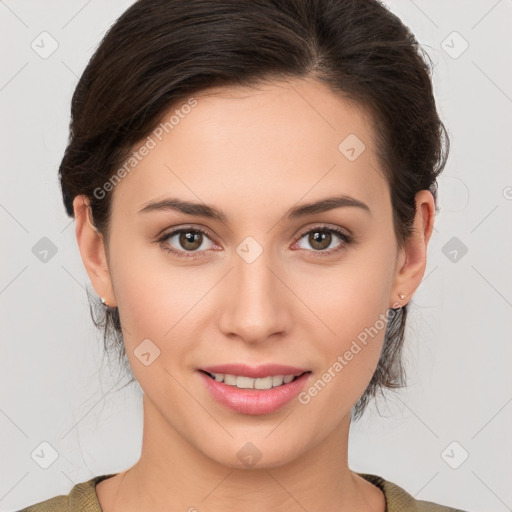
(256, 454)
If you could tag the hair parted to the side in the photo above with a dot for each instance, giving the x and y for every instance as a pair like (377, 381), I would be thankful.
(161, 52)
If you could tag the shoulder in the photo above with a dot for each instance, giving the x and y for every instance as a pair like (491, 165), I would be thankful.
(81, 498)
(399, 500)
(56, 504)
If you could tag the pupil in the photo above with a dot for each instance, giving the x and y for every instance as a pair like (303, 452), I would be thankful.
(189, 240)
(318, 237)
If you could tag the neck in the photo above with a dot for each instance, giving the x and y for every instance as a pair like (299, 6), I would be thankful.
(171, 472)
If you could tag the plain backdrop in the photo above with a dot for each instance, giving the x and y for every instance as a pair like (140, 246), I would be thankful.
(446, 438)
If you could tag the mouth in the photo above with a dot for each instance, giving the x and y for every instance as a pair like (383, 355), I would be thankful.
(260, 383)
(254, 395)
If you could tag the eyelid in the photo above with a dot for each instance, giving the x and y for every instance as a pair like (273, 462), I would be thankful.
(164, 233)
(167, 233)
(342, 233)
(161, 238)
(327, 227)
(347, 239)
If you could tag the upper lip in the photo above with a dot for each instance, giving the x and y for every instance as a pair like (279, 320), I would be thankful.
(255, 372)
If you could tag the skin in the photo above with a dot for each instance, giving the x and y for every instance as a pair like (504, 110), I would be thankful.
(255, 153)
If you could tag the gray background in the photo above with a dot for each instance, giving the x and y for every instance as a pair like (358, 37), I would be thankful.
(458, 404)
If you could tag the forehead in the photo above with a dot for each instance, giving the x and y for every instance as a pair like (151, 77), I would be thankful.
(257, 148)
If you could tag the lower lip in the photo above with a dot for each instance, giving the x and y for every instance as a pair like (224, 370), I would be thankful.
(254, 401)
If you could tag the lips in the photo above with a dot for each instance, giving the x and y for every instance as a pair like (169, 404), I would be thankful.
(255, 372)
(254, 401)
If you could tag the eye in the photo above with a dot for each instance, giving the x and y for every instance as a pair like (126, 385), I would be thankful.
(321, 238)
(187, 240)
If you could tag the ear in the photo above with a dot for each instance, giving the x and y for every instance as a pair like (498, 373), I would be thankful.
(92, 250)
(412, 259)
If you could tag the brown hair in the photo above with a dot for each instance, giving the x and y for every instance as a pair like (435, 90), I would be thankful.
(160, 52)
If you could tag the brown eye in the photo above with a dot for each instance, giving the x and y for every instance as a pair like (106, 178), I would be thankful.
(190, 240)
(186, 242)
(321, 238)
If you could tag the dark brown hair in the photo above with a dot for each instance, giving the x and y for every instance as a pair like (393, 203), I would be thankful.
(160, 52)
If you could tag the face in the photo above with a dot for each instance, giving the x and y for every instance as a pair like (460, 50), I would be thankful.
(267, 281)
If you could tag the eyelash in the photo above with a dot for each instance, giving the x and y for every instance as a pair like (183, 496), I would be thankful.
(347, 239)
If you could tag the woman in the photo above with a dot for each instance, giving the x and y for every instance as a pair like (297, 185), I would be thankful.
(254, 188)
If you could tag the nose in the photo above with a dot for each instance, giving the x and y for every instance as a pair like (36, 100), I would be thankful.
(256, 302)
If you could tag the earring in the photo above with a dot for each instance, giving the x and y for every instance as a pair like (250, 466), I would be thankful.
(402, 296)
(104, 302)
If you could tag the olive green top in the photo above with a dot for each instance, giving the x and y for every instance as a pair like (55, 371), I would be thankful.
(83, 498)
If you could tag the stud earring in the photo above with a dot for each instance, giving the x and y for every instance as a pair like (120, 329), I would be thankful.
(402, 296)
(104, 302)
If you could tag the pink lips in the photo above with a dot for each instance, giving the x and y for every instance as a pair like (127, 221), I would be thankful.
(254, 372)
(254, 401)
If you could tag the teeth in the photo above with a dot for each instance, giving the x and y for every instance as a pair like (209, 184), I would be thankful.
(242, 382)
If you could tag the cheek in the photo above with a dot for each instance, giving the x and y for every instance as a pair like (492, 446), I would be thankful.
(162, 302)
(350, 306)
(348, 297)
(153, 302)
(349, 357)
(153, 293)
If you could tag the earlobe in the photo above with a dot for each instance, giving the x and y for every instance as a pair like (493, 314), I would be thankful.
(412, 260)
(92, 250)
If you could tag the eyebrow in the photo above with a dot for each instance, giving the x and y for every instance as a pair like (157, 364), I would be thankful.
(211, 212)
